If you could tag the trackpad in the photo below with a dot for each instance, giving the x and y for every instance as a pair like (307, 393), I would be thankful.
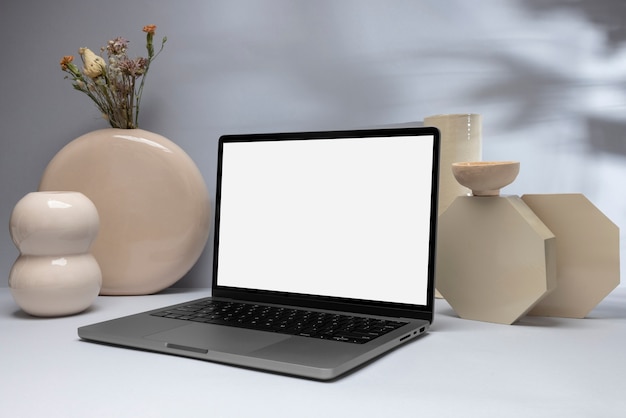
(204, 337)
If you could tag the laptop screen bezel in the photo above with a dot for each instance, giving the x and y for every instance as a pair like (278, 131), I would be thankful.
(327, 302)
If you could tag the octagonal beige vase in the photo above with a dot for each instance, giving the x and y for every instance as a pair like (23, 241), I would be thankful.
(55, 274)
(152, 200)
(499, 259)
(588, 253)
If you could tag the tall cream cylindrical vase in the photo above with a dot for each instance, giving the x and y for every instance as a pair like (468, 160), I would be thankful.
(55, 274)
(461, 140)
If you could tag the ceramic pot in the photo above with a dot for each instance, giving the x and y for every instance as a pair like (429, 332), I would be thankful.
(485, 178)
(55, 274)
(152, 200)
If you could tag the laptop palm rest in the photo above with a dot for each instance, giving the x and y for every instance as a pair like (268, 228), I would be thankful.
(203, 338)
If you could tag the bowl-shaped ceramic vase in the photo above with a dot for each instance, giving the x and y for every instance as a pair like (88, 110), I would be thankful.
(485, 178)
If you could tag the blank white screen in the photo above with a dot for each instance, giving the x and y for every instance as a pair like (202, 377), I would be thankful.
(342, 217)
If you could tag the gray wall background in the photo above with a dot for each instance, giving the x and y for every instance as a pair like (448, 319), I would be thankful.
(548, 76)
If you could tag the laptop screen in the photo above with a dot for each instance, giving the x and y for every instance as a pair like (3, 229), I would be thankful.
(338, 215)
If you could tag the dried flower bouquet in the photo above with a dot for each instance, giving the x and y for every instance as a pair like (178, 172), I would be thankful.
(116, 84)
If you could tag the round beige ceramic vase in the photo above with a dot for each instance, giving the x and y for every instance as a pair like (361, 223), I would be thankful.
(55, 274)
(152, 201)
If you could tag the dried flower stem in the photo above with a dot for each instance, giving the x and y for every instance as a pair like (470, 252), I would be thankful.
(151, 57)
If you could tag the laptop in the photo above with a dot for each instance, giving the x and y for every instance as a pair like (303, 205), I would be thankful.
(324, 255)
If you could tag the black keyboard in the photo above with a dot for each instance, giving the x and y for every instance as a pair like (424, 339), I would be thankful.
(314, 324)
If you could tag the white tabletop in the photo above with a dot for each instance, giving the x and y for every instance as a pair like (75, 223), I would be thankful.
(539, 367)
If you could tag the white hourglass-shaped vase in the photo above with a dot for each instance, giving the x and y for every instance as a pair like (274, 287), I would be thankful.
(54, 275)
